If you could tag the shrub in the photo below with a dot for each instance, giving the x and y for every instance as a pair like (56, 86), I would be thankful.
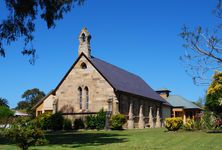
(56, 121)
(208, 120)
(43, 121)
(97, 121)
(173, 124)
(117, 121)
(6, 115)
(199, 124)
(91, 122)
(101, 120)
(79, 124)
(218, 123)
(189, 125)
(24, 135)
(67, 124)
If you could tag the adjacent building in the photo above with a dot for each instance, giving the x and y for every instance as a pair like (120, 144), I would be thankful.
(181, 107)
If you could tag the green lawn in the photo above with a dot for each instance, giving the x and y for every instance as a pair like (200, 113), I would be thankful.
(129, 139)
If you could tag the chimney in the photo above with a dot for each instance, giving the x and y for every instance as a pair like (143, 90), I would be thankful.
(163, 92)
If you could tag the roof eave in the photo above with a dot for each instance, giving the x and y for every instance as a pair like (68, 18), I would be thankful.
(42, 100)
(141, 96)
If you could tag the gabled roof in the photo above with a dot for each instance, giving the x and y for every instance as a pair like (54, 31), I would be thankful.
(124, 81)
(41, 100)
(179, 101)
(120, 80)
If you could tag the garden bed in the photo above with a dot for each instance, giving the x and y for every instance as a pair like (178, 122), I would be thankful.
(214, 131)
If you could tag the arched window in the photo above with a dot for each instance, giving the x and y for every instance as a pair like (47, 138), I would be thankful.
(83, 37)
(83, 66)
(80, 97)
(87, 97)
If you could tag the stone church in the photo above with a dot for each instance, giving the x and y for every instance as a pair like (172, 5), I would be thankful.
(92, 84)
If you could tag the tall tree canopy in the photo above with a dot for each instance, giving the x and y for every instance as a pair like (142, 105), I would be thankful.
(3, 102)
(204, 49)
(214, 94)
(33, 96)
(30, 98)
(20, 22)
(23, 105)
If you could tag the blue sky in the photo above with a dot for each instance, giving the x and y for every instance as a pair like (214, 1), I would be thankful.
(140, 36)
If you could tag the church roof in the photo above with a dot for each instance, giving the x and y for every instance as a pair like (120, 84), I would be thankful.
(179, 101)
(124, 81)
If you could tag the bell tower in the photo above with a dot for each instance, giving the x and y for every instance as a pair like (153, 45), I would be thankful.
(84, 43)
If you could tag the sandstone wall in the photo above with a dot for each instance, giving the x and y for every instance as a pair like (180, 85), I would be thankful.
(99, 90)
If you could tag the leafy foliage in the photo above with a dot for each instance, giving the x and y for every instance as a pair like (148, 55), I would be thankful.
(20, 23)
(3, 102)
(57, 121)
(79, 124)
(67, 125)
(5, 112)
(97, 121)
(33, 96)
(208, 120)
(173, 124)
(43, 121)
(218, 123)
(189, 125)
(22, 105)
(117, 121)
(214, 94)
(48, 121)
(91, 122)
(5, 115)
(100, 120)
(24, 135)
(30, 98)
(199, 122)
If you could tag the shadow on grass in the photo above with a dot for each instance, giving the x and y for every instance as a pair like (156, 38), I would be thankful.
(79, 139)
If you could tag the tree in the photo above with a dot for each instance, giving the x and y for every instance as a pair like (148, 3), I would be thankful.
(33, 96)
(24, 134)
(23, 105)
(203, 49)
(3, 102)
(20, 22)
(5, 115)
(30, 98)
(214, 95)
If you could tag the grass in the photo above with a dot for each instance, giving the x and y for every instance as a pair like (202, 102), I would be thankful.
(126, 140)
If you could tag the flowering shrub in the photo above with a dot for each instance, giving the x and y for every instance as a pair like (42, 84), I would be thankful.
(189, 125)
(218, 123)
(173, 124)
